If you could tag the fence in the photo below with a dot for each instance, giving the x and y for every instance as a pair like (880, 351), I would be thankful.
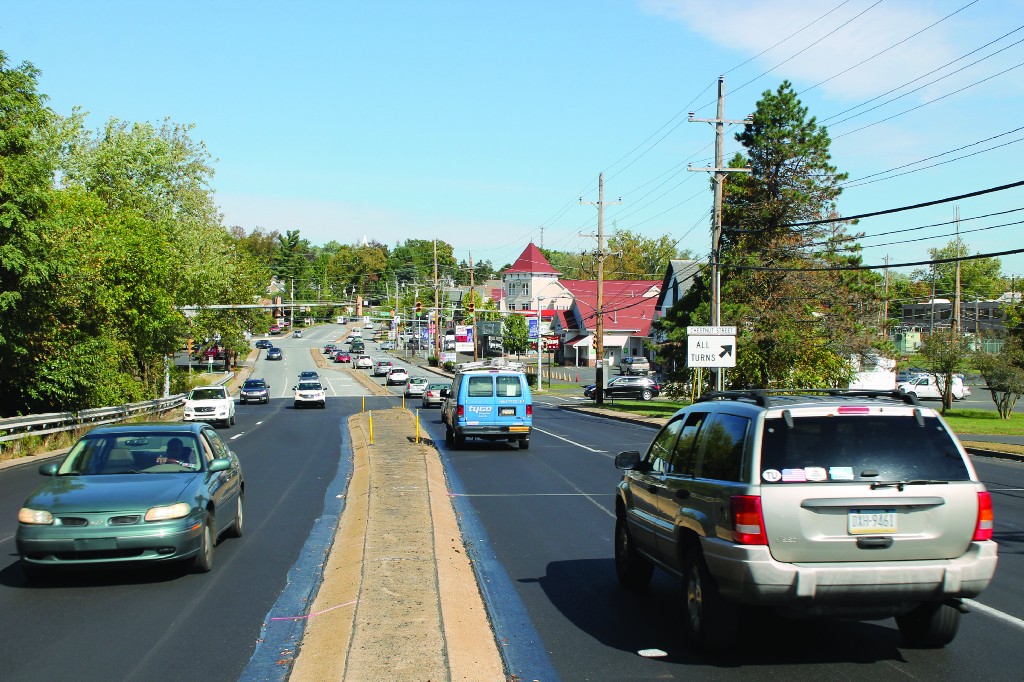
(54, 422)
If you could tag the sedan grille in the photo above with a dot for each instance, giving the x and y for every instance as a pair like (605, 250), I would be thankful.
(205, 409)
(72, 521)
(126, 520)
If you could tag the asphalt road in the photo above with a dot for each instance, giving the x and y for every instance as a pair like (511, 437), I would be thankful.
(541, 527)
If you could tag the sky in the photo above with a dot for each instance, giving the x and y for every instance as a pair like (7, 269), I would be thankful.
(486, 124)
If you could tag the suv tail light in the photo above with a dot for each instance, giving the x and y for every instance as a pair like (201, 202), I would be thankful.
(462, 411)
(747, 520)
(986, 520)
(529, 410)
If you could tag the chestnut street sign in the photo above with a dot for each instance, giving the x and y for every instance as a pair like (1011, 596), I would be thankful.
(711, 347)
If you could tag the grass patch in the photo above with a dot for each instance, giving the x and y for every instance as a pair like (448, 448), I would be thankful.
(984, 421)
(646, 408)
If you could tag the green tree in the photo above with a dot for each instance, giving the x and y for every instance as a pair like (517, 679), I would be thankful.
(635, 256)
(1004, 375)
(980, 278)
(799, 316)
(946, 352)
(515, 333)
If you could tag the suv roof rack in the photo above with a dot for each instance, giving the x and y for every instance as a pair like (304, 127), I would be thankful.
(763, 396)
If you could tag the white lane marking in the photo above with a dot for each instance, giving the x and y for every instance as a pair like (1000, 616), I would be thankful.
(237, 435)
(571, 442)
(995, 613)
(259, 422)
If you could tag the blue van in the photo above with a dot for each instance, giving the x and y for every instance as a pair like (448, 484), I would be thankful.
(490, 404)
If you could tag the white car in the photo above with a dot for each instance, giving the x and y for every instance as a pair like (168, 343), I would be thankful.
(397, 375)
(310, 393)
(355, 334)
(364, 362)
(415, 386)
(210, 404)
(925, 386)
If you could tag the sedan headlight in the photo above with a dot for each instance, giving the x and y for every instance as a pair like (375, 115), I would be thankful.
(174, 511)
(35, 517)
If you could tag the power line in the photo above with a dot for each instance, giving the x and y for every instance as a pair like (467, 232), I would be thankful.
(937, 261)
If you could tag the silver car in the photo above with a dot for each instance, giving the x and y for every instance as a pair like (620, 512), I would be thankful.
(847, 504)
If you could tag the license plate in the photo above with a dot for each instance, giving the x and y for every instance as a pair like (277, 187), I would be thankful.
(95, 544)
(507, 411)
(865, 522)
(518, 429)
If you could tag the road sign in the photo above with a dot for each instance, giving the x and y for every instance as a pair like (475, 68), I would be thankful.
(711, 331)
(710, 351)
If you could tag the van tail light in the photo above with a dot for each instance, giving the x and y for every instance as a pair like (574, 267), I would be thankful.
(747, 520)
(986, 520)
(462, 411)
(529, 410)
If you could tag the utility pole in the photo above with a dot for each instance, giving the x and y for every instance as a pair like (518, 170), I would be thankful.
(472, 299)
(599, 328)
(956, 291)
(720, 172)
(885, 302)
(437, 310)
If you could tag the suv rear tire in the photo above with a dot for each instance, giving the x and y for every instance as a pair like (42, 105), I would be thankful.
(711, 621)
(930, 626)
(633, 570)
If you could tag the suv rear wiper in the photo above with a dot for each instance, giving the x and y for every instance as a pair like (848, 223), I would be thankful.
(899, 485)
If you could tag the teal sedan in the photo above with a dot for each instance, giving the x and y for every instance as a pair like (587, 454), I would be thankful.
(130, 494)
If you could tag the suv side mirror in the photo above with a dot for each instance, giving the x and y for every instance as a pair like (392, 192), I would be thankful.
(628, 461)
(444, 392)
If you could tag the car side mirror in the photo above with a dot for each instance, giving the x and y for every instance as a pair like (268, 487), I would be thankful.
(444, 392)
(49, 469)
(628, 461)
(220, 465)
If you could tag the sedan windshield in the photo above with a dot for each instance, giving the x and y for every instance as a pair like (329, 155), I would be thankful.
(207, 394)
(138, 453)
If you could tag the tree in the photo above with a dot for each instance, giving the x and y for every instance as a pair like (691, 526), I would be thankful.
(515, 334)
(1004, 375)
(980, 278)
(635, 256)
(799, 316)
(946, 351)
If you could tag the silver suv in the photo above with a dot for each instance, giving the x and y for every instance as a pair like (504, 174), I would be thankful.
(635, 365)
(849, 504)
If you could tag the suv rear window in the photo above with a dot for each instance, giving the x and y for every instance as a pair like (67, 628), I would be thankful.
(862, 448)
(480, 387)
(509, 387)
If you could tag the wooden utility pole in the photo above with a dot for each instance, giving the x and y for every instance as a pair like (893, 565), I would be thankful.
(885, 302)
(956, 291)
(437, 310)
(599, 327)
(472, 299)
(720, 171)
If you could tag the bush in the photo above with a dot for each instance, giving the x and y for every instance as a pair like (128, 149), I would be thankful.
(449, 366)
(433, 360)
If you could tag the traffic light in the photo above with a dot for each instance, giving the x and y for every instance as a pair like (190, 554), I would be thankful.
(472, 307)
(419, 307)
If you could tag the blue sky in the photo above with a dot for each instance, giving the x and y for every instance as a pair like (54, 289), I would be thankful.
(482, 122)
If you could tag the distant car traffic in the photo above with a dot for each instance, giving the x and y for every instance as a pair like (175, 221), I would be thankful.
(309, 375)
(627, 386)
(387, 345)
(925, 386)
(297, 334)
(256, 390)
(382, 368)
(364, 362)
(168, 489)
(275, 329)
(274, 353)
(329, 348)
(264, 343)
(397, 375)
(342, 356)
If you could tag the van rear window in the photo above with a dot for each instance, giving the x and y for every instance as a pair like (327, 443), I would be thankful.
(480, 387)
(860, 448)
(509, 387)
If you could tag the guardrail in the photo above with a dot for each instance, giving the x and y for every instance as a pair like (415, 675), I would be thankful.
(15, 428)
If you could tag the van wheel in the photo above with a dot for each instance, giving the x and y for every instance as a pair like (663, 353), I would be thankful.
(711, 621)
(930, 626)
(449, 436)
(460, 441)
(633, 570)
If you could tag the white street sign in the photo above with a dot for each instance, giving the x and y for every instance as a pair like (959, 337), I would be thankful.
(711, 331)
(711, 351)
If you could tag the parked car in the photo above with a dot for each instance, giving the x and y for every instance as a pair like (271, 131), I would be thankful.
(257, 390)
(925, 386)
(210, 404)
(264, 343)
(638, 388)
(310, 392)
(490, 404)
(415, 386)
(309, 375)
(274, 353)
(275, 329)
(432, 395)
(364, 362)
(634, 365)
(166, 504)
(382, 368)
(828, 503)
(396, 375)
(342, 356)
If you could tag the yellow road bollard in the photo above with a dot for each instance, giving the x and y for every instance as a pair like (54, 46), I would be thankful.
(363, 408)
(371, 427)
(417, 426)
